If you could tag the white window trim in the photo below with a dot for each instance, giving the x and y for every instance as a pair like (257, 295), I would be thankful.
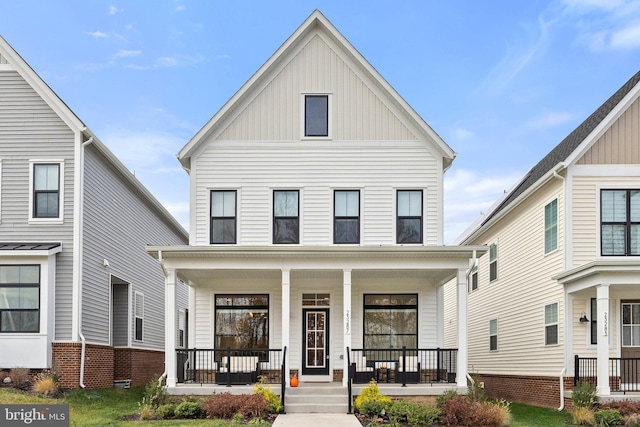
(495, 242)
(496, 334)
(303, 111)
(138, 294)
(61, 205)
(557, 322)
(474, 271)
(544, 213)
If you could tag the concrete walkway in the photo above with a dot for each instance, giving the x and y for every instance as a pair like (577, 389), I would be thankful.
(316, 420)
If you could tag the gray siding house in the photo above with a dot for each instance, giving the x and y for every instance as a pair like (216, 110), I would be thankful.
(78, 293)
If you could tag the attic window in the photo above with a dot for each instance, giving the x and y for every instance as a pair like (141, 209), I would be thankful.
(316, 115)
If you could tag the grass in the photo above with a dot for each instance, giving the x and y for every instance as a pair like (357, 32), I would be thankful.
(108, 406)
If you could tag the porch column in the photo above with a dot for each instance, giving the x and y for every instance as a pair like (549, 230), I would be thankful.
(286, 316)
(170, 359)
(602, 388)
(461, 378)
(346, 303)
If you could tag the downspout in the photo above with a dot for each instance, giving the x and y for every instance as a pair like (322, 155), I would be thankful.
(562, 388)
(80, 334)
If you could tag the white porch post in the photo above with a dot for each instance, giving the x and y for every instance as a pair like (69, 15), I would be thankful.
(603, 389)
(461, 379)
(346, 302)
(170, 328)
(286, 319)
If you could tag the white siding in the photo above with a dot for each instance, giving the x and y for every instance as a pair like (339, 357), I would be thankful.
(118, 224)
(30, 129)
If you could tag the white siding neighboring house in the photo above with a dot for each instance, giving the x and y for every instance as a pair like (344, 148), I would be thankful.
(74, 223)
(316, 227)
(568, 264)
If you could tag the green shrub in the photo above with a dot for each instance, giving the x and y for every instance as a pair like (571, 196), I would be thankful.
(371, 401)
(414, 414)
(584, 395)
(166, 411)
(272, 399)
(608, 418)
(155, 394)
(188, 409)
(444, 397)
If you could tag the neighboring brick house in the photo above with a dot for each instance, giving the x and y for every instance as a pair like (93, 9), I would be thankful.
(77, 290)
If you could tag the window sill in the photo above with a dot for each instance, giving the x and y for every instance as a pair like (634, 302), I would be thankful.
(46, 221)
(316, 138)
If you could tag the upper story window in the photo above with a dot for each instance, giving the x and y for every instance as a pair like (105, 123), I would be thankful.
(286, 216)
(316, 115)
(223, 216)
(19, 298)
(409, 218)
(620, 222)
(493, 262)
(346, 220)
(551, 324)
(46, 190)
(474, 278)
(551, 226)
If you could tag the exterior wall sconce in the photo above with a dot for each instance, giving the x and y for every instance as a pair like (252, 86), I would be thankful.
(583, 318)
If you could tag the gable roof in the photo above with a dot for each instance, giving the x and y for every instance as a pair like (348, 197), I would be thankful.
(556, 158)
(11, 60)
(316, 22)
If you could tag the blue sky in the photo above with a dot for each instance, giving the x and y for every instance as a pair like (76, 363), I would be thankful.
(502, 82)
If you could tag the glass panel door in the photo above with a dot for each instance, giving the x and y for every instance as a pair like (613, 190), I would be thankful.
(315, 342)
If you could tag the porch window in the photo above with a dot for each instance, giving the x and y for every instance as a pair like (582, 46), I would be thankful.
(286, 219)
(409, 216)
(493, 262)
(390, 321)
(346, 220)
(551, 227)
(242, 322)
(493, 334)
(620, 222)
(594, 320)
(631, 324)
(223, 217)
(19, 298)
(316, 115)
(551, 324)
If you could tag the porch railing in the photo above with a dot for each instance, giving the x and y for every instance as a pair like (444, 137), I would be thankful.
(403, 366)
(229, 366)
(624, 373)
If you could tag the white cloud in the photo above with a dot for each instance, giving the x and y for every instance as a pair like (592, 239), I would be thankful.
(127, 53)
(627, 37)
(144, 150)
(468, 194)
(548, 119)
(97, 34)
(180, 8)
(462, 134)
(180, 211)
(113, 10)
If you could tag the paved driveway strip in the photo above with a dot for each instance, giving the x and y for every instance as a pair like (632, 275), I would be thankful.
(316, 420)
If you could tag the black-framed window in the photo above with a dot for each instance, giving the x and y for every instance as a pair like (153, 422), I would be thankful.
(139, 316)
(594, 321)
(409, 216)
(286, 216)
(46, 190)
(551, 324)
(346, 219)
(620, 222)
(316, 115)
(493, 334)
(223, 216)
(493, 262)
(551, 226)
(19, 298)
(390, 321)
(242, 322)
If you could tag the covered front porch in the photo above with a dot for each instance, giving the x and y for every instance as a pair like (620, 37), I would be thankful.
(276, 312)
(603, 317)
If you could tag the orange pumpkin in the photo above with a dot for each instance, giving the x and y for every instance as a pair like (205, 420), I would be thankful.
(294, 381)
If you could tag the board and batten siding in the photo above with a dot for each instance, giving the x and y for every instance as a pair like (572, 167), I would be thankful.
(316, 168)
(118, 224)
(30, 129)
(358, 110)
(518, 296)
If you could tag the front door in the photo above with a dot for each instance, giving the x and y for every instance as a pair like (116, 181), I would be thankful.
(315, 339)
(630, 351)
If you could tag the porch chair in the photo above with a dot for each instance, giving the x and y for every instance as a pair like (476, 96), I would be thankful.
(410, 373)
(362, 370)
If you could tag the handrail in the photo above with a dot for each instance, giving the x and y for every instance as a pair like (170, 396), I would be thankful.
(283, 381)
(349, 381)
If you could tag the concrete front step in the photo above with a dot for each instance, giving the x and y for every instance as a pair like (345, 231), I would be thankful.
(318, 399)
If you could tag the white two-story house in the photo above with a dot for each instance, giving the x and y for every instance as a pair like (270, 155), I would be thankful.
(556, 300)
(316, 227)
(78, 292)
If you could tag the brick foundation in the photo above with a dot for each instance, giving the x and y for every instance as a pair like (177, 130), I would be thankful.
(104, 364)
(531, 390)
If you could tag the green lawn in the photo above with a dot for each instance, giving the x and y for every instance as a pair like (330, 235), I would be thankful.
(107, 408)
